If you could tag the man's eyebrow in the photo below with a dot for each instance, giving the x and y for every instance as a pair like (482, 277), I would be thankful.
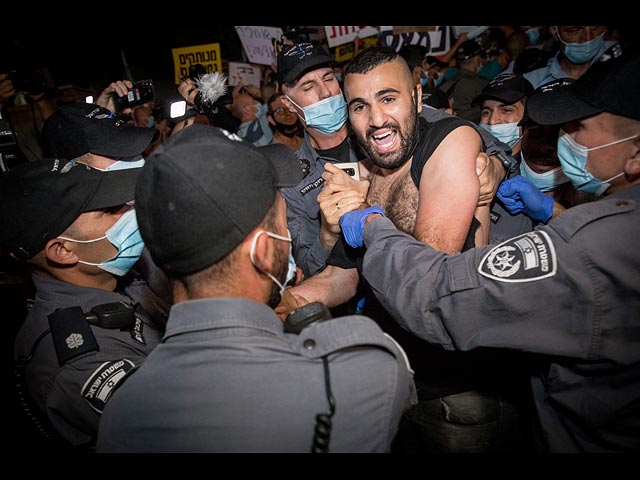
(378, 94)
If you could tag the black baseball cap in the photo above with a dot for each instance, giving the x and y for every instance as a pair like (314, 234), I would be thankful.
(434, 97)
(545, 90)
(295, 60)
(432, 59)
(79, 128)
(468, 49)
(609, 86)
(507, 88)
(39, 200)
(203, 191)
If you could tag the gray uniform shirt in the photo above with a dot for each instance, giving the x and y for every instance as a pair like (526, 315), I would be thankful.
(303, 210)
(73, 395)
(569, 290)
(228, 379)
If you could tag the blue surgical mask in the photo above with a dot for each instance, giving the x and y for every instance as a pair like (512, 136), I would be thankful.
(123, 165)
(261, 109)
(291, 270)
(439, 79)
(508, 133)
(257, 131)
(573, 158)
(533, 34)
(423, 81)
(151, 121)
(327, 116)
(546, 181)
(580, 53)
(125, 236)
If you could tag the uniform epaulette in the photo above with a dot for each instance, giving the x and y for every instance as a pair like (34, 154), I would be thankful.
(72, 335)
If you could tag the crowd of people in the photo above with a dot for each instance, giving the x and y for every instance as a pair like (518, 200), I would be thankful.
(405, 254)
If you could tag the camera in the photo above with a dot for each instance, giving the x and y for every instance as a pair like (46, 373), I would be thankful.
(298, 34)
(10, 154)
(31, 83)
(141, 92)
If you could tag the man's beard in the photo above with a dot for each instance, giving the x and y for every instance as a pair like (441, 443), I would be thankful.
(408, 140)
(287, 130)
(280, 272)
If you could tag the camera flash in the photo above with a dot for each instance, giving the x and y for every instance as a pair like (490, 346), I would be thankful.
(88, 99)
(178, 109)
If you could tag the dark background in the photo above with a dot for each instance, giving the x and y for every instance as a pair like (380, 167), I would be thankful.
(88, 54)
(94, 60)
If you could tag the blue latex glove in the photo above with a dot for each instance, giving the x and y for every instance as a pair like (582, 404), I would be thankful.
(352, 224)
(520, 195)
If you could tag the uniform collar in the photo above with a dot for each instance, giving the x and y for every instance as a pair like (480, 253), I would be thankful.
(52, 290)
(216, 313)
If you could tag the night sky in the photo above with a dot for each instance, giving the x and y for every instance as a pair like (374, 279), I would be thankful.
(94, 60)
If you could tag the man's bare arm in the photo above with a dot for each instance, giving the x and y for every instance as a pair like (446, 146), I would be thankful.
(333, 286)
(449, 191)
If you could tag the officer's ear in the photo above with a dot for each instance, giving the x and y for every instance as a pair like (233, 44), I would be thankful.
(632, 167)
(263, 252)
(59, 251)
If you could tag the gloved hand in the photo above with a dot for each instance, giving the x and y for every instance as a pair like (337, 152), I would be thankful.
(520, 195)
(352, 224)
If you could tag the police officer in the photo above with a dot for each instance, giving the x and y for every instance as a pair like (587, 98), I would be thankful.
(313, 93)
(73, 227)
(227, 378)
(92, 134)
(568, 290)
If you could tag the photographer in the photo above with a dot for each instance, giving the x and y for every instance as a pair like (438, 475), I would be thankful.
(25, 105)
(206, 95)
(106, 98)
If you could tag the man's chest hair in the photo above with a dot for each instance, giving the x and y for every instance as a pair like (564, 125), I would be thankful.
(398, 196)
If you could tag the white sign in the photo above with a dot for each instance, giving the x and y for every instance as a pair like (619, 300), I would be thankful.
(258, 43)
(245, 73)
(345, 34)
(472, 31)
(436, 42)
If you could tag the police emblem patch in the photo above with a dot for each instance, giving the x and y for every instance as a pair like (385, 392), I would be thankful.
(102, 382)
(525, 258)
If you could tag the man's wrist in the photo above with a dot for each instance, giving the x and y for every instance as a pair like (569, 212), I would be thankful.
(328, 239)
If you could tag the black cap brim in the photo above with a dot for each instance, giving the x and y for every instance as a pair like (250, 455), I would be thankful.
(559, 107)
(129, 142)
(115, 188)
(305, 66)
(285, 163)
(504, 98)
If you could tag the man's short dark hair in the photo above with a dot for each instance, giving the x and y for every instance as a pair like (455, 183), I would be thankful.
(370, 58)
(413, 55)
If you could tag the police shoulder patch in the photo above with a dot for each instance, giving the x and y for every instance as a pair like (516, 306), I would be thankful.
(525, 258)
(103, 381)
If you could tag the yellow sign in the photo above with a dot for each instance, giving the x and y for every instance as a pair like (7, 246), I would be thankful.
(207, 55)
(347, 51)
